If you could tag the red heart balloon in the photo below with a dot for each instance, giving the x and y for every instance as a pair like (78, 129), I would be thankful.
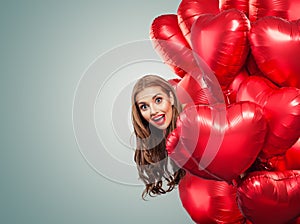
(242, 5)
(286, 9)
(191, 91)
(184, 158)
(252, 67)
(275, 45)
(221, 41)
(281, 107)
(209, 201)
(231, 91)
(292, 157)
(174, 82)
(207, 135)
(189, 10)
(270, 197)
(171, 45)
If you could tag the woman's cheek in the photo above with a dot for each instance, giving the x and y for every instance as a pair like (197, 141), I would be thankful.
(146, 115)
(166, 107)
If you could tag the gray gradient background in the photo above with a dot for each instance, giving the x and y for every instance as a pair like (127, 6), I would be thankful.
(45, 48)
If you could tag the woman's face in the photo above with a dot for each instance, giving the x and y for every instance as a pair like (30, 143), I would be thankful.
(155, 106)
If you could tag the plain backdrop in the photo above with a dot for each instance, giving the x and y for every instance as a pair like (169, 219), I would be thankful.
(45, 47)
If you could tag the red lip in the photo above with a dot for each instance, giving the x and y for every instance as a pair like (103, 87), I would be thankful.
(159, 119)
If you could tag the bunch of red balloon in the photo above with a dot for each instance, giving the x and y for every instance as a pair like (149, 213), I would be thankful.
(252, 47)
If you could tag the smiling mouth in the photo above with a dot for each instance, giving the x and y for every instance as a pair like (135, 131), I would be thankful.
(159, 119)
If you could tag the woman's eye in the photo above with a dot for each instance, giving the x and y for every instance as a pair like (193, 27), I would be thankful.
(158, 100)
(143, 107)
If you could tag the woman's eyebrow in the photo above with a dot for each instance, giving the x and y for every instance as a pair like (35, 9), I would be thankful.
(156, 95)
(139, 103)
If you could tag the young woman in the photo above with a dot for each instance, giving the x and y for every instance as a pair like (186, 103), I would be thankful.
(155, 109)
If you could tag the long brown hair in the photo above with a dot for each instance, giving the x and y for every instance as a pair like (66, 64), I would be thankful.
(153, 163)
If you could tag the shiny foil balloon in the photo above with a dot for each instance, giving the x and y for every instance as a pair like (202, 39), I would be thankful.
(209, 201)
(182, 157)
(275, 45)
(174, 82)
(189, 10)
(171, 45)
(188, 90)
(193, 92)
(223, 143)
(286, 9)
(252, 67)
(271, 197)
(221, 41)
(275, 163)
(242, 5)
(292, 157)
(231, 91)
(281, 107)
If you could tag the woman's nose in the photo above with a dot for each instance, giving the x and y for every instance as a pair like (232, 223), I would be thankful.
(153, 109)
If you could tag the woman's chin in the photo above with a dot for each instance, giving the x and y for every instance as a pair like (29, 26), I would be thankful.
(161, 127)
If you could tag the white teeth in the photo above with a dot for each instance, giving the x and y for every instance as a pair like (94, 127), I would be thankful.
(158, 118)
